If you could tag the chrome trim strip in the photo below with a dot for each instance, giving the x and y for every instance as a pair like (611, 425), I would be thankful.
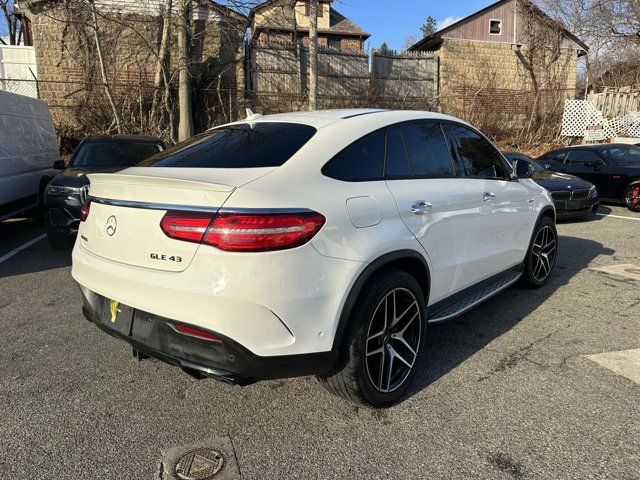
(193, 208)
(264, 210)
(153, 206)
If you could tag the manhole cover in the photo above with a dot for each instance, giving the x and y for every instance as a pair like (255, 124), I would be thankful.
(200, 464)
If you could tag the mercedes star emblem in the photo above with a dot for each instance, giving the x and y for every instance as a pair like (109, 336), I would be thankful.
(112, 225)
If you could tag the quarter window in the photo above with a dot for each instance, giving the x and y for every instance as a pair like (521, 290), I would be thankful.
(478, 156)
(625, 155)
(362, 161)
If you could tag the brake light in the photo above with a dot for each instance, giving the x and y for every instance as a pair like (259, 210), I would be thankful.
(185, 225)
(84, 213)
(195, 332)
(262, 232)
(244, 232)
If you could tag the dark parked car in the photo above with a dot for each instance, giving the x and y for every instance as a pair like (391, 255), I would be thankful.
(66, 193)
(613, 168)
(572, 196)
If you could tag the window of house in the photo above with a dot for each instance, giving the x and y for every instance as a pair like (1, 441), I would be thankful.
(495, 27)
(307, 9)
(335, 43)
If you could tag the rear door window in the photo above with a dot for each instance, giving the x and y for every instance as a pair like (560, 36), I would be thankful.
(581, 157)
(427, 150)
(237, 146)
(362, 161)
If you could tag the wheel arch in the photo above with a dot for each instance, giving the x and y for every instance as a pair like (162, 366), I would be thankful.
(547, 211)
(409, 261)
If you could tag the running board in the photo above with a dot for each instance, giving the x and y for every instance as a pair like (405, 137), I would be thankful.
(469, 298)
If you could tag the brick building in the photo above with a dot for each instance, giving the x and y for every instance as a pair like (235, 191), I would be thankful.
(501, 54)
(130, 33)
(287, 21)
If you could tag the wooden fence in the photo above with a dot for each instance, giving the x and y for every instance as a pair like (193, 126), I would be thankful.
(281, 68)
(614, 103)
(405, 74)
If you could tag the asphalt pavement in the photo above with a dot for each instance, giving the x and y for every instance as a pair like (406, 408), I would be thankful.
(509, 390)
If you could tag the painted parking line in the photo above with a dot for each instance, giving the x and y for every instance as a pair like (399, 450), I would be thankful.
(625, 363)
(22, 247)
(618, 216)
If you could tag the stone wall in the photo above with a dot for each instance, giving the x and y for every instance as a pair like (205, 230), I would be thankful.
(491, 75)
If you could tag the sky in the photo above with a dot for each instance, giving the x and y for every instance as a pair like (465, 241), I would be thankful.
(391, 21)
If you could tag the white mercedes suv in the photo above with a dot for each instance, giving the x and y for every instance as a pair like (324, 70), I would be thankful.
(317, 243)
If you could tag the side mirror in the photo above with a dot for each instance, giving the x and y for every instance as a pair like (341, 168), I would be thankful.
(59, 165)
(522, 169)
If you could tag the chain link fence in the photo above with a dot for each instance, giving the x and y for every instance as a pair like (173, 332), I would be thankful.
(79, 108)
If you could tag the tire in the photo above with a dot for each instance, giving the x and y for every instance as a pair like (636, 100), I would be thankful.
(542, 254)
(59, 241)
(632, 197)
(355, 377)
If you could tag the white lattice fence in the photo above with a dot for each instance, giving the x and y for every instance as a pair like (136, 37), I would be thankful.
(581, 118)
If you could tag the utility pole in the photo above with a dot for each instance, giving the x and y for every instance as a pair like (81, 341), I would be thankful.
(185, 125)
(313, 54)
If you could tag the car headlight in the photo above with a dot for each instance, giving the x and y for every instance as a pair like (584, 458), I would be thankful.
(55, 190)
(593, 191)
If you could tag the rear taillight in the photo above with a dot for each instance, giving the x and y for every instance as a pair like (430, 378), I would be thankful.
(185, 225)
(244, 232)
(84, 213)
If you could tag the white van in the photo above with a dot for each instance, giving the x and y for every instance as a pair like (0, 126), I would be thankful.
(28, 150)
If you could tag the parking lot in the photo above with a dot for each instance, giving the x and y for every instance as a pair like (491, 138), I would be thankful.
(509, 390)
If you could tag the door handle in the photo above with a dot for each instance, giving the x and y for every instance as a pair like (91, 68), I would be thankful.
(488, 197)
(421, 207)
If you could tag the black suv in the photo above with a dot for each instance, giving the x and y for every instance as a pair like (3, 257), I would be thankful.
(613, 168)
(66, 193)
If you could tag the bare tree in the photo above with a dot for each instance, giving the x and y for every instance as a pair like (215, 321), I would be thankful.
(103, 69)
(622, 18)
(185, 126)
(410, 41)
(12, 24)
(313, 54)
(546, 60)
(163, 53)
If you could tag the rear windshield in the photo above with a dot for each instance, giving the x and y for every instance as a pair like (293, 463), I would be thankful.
(237, 146)
(114, 153)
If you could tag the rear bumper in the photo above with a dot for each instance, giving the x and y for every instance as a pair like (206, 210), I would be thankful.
(275, 304)
(154, 336)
